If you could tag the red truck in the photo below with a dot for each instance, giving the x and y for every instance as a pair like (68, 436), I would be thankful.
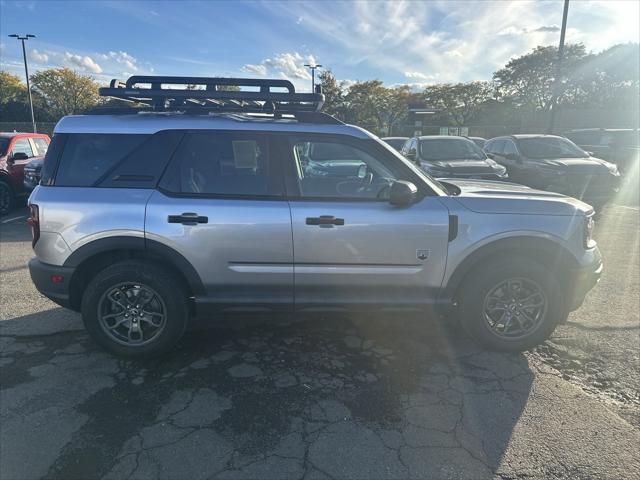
(16, 150)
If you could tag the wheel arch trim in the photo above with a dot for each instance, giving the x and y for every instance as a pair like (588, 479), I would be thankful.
(552, 249)
(153, 248)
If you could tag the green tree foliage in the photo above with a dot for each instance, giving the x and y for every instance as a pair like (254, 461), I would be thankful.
(460, 102)
(333, 92)
(528, 80)
(65, 92)
(14, 100)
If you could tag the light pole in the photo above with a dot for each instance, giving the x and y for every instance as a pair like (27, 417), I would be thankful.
(26, 72)
(313, 75)
(556, 81)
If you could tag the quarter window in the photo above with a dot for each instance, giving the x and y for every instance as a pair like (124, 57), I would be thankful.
(88, 156)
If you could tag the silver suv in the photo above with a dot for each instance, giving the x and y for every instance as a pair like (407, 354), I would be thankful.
(219, 200)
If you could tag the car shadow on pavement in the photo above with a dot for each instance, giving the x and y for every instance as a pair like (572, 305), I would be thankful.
(326, 396)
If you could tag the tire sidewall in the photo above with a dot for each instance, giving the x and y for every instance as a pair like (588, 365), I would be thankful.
(486, 278)
(4, 184)
(173, 296)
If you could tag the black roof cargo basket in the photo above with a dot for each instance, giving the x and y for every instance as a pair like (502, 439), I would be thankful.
(211, 94)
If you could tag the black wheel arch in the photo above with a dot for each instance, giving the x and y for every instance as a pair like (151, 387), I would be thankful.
(549, 253)
(97, 255)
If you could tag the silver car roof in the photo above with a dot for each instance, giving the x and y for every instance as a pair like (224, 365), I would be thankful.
(149, 123)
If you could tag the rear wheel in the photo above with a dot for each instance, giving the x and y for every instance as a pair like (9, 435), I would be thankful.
(135, 309)
(511, 304)
(7, 198)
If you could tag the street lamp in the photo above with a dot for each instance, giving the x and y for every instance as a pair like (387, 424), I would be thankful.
(26, 72)
(313, 75)
(557, 80)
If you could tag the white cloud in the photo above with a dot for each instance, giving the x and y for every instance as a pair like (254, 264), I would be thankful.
(257, 69)
(448, 39)
(85, 63)
(419, 75)
(286, 65)
(122, 58)
(37, 56)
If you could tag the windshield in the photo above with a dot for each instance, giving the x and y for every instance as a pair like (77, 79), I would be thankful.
(550, 147)
(4, 143)
(450, 149)
(435, 185)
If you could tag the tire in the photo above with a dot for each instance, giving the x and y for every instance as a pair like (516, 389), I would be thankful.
(135, 309)
(7, 198)
(514, 278)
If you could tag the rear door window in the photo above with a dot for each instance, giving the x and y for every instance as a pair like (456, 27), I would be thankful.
(223, 164)
(88, 156)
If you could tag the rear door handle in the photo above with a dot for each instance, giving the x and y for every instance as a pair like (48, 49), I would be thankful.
(187, 218)
(325, 220)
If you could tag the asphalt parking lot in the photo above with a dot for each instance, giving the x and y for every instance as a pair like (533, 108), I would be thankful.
(325, 396)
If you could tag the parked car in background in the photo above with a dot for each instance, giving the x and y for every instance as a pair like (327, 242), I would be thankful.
(32, 174)
(479, 141)
(619, 146)
(395, 142)
(452, 157)
(16, 150)
(549, 162)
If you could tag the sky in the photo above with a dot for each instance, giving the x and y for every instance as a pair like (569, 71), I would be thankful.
(399, 42)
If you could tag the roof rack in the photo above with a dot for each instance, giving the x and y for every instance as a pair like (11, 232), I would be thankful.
(211, 94)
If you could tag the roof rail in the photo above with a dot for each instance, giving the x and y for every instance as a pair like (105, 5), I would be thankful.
(214, 94)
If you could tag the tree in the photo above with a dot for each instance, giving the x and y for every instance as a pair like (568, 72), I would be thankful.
(610, 79)
(459, 102)
(528, 80)
(333, 94)
(14, 101)
(366, 104)
(65, 91)
(11, 88)
(397, 105)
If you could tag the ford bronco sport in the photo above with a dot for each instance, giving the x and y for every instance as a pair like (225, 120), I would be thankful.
(210, 200)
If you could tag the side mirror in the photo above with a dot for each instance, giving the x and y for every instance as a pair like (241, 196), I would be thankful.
(513, 156)
(402, 193)
(19, 156)
(411, 155)
(490, 155)
(590, 154)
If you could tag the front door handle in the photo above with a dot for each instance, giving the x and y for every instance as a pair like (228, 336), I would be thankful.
(187, 218)
(325, 220)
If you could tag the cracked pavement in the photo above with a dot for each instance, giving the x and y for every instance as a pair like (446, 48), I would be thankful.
(313, 397)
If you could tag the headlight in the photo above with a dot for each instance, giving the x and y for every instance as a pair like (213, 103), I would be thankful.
(589, 224)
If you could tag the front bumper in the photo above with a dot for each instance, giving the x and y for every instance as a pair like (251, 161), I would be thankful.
(41, 276)
(582, 280)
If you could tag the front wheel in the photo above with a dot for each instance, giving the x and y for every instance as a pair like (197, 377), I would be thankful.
(511, 304)
(7, 199)
(135, 309)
